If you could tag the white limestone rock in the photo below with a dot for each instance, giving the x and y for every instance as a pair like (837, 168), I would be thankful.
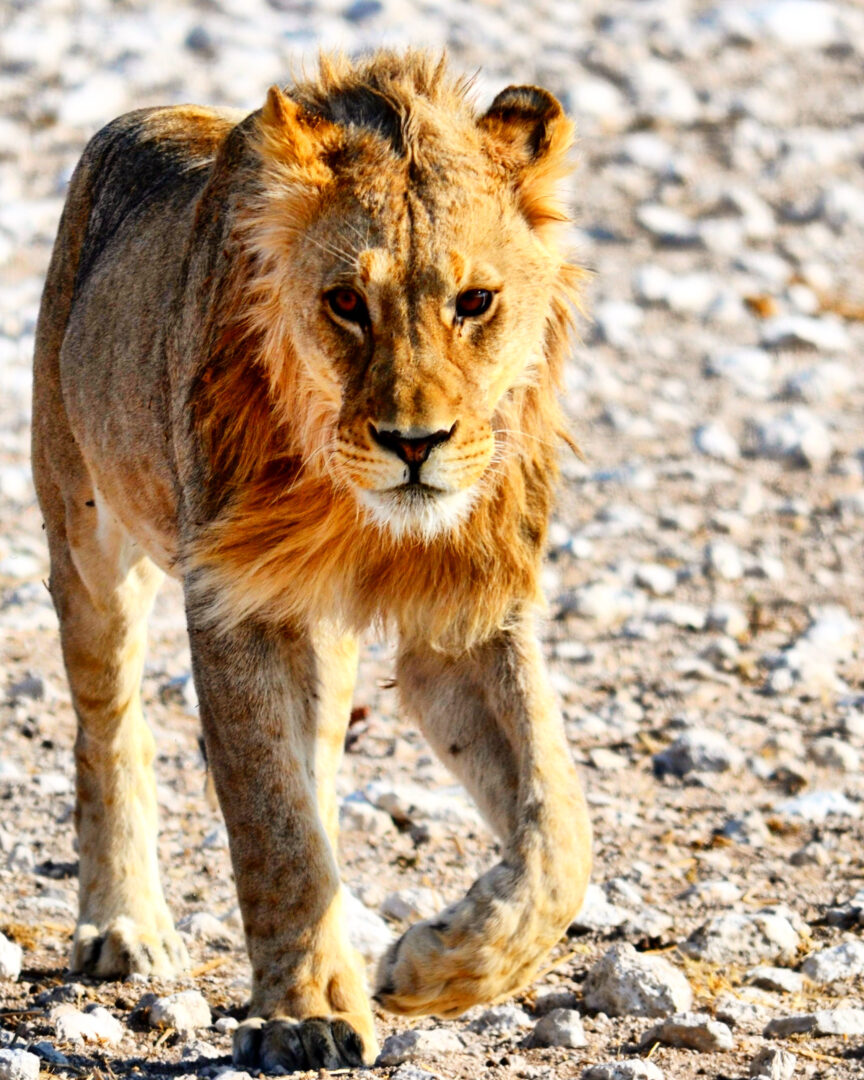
(626, 983)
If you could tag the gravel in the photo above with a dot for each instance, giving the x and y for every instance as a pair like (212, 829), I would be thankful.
(705, 569)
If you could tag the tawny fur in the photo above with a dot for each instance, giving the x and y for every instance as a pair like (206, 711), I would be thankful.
(198, 408)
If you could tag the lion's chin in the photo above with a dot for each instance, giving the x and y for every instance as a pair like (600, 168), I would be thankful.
(415, 511)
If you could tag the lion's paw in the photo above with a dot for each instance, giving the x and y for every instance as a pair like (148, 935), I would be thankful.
(445, 965)
(284, 1045)
(125, 947)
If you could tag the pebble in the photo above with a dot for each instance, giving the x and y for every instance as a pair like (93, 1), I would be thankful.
(817, 806)
(626, 983)
(697, 750)
(408, 804)
(772, 1063)
(617, 321)
(824, 334)
(597, 914)
(714, 441)
(560, 1027)
(692, 1031)
(11, 955)
(93, 1024)
(684, 616)
(21, 858)
(356, 812)
(749, 370)
(746, 1009)
(743, 939)
(412, 1072)
(834, 753)
(728, 618)
(606, 603)
(719, 893)
(845, 961)
(500, 1020)
(723, 560)
(842, 1021)
(798, 437)
(49, 1054)
(199, 1050)
(185, 1011)
(624, 1069)
(18, 1065)
(202, 926)
(408, 1044)
(369, 933)
(414, 902)
(659, 580)
(779, 979)
(819, 384)
(669, 227)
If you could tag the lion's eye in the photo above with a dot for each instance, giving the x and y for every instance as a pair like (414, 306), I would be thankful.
(348, 305)
(473, 302)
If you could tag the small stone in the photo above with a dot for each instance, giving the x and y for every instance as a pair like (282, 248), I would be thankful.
(18, 1065)
(692, 1031)
(816, 806)
(826, 334)
(778, 979)
(616, 321)
(408, 1044)
(412, 1072)
(715, 441)
(560, 1027)
(749, 370)
(743, 939)
(198, 1050)
(92, 1024)
(202, 926)
(811, 854)
(684, 616)
(841, 962)
(834, 753)
(21, 858)
(723, 560)
(356, 812)
(815, 385)
(412, 903)
(797, 436)
(772, 1063)
(626, 983)
(842, 1021)
(185, 1011)
(659, 580)
(49, 1054)
(226, 1025)
(408, 804)
(553, 997)
(605, 603)
(625, 1069)
(745, 1010)
(728, 619)
(369, 933)
(597, 914)
(697, 750)
(713, 893)
(11, 955)
(669, 227)
(501, 1020)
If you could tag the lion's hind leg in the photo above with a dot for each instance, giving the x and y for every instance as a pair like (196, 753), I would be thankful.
(103, 586)
(491, 718)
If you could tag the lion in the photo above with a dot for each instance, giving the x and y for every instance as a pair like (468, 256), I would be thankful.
(306, 361)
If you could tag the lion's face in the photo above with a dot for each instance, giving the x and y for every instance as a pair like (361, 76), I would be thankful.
(415, 290)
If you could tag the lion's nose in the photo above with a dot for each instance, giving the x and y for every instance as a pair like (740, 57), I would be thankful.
(413, 449)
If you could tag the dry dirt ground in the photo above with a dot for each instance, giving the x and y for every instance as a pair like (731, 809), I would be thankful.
(705, 573)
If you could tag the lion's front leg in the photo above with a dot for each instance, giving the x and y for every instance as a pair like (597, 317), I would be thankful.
(491, 717)
(261, 698)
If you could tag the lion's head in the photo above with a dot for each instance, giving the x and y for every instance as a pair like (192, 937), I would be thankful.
(406, 300)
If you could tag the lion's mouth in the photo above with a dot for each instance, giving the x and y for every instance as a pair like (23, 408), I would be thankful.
(417, 509)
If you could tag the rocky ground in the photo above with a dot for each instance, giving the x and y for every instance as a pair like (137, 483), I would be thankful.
(705, 572)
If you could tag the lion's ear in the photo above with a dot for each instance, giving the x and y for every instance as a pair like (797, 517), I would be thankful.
(290, 135)
(528, 135)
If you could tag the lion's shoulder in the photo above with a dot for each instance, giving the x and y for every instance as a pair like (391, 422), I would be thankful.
(162, 154)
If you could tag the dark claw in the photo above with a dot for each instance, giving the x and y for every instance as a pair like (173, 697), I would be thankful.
(283, 1045)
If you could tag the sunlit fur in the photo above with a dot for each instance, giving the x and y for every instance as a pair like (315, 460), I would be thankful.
(298, 537)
